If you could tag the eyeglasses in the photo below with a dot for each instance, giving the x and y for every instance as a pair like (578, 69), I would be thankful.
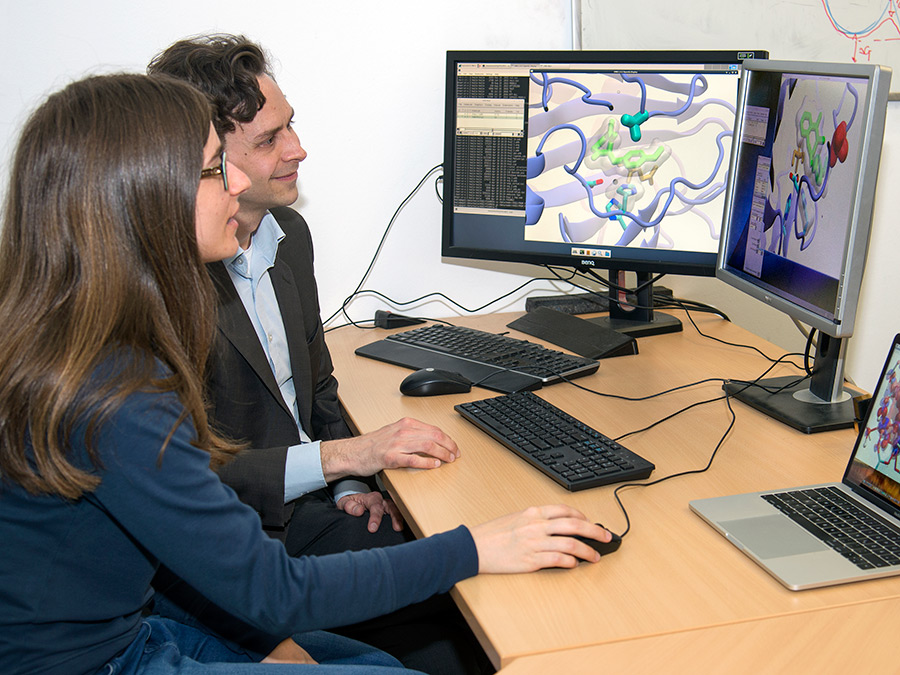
(217, 171)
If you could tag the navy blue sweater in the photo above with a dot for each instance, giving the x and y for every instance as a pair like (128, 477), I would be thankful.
(74, 575)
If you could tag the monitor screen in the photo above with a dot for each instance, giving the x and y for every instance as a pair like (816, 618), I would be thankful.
(612, 160)
(799, 206)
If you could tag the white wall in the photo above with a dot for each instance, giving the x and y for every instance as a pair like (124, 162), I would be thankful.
(367, 82)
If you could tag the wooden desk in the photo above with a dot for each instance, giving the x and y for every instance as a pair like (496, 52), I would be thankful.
(673, 573)
(830, 640)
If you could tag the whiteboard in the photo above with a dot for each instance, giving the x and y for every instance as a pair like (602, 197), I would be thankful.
(857, 31)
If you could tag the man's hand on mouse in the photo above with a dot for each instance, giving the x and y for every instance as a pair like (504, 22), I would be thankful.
(407, 443)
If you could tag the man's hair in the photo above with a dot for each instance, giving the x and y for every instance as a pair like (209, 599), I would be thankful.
(99, 269)
(225, 67)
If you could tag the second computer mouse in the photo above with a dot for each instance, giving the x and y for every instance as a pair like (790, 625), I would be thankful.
(434, 382)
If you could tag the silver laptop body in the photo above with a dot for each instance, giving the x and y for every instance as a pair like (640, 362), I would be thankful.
(787, 550)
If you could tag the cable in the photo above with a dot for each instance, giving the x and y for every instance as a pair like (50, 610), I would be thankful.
(689, 472)
(381, 244)
(726, 397)
(670, 302)
(638, 399)
(718, 398)
(736, 344)
(435, 294)
(623, 289)
(439, 193)
(809, 341)
(358, 291)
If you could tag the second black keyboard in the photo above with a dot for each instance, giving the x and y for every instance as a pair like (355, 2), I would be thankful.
(565, 449)
(499, 351)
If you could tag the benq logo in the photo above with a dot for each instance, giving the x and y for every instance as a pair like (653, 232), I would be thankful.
(587, 263)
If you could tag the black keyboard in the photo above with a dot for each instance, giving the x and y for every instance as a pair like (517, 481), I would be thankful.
(832, 517)
(568, 451)
(500, 351)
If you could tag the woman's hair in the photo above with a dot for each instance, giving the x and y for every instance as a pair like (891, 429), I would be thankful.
(99, 266)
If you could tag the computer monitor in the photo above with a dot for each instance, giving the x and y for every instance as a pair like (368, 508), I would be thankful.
(610, 160)
(798, 212)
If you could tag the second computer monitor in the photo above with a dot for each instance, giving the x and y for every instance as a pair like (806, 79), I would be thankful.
(798, 210)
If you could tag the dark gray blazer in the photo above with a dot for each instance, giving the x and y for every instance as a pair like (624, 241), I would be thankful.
(246, 402)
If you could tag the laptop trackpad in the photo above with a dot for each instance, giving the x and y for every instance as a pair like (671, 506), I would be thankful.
(772, 536)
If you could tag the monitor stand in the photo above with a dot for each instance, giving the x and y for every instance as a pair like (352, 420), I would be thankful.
(640, 319)
(817, 404)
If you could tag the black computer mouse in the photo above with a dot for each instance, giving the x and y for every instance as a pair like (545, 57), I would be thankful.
(434, 382)
(602, 547)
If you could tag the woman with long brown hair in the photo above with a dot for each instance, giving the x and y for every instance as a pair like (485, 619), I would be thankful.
(119, 192)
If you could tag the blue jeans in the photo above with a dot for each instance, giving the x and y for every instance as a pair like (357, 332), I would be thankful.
(166, 647)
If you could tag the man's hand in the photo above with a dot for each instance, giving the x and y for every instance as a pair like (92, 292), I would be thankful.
(406, 443)
(289, 651)
(376, 505)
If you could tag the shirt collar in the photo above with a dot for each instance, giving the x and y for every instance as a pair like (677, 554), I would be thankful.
(265, 245)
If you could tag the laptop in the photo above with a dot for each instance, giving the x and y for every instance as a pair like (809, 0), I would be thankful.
(795, 534)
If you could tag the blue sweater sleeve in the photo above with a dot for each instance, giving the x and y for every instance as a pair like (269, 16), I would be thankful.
(176, 509)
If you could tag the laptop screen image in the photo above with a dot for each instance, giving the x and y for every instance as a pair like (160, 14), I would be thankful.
(874, 465)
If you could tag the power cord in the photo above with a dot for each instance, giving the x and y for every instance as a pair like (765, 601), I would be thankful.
(422, 298)
(390, 224)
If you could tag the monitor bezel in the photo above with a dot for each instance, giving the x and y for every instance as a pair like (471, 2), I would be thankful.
(685, 263)
(859, 232)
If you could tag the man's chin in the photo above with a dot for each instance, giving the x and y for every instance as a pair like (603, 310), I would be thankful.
(281, 198)
(285, 198)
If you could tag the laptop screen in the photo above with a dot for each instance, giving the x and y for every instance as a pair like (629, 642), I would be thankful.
(874, 464)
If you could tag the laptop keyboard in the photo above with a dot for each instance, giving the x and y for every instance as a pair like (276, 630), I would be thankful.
(497, 350)
(828, 514)
(568, 451)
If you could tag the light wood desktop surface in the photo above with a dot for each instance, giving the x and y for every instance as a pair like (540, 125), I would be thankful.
(847, 639)
(673, 573)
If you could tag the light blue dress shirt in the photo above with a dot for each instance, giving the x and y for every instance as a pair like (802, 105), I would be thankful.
(249, 272)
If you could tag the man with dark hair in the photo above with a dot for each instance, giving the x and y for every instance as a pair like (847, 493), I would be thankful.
(270, 379)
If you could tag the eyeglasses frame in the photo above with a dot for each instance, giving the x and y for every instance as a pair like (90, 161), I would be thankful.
(217, 171)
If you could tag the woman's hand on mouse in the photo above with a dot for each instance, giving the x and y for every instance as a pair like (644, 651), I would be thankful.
(525, 541)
